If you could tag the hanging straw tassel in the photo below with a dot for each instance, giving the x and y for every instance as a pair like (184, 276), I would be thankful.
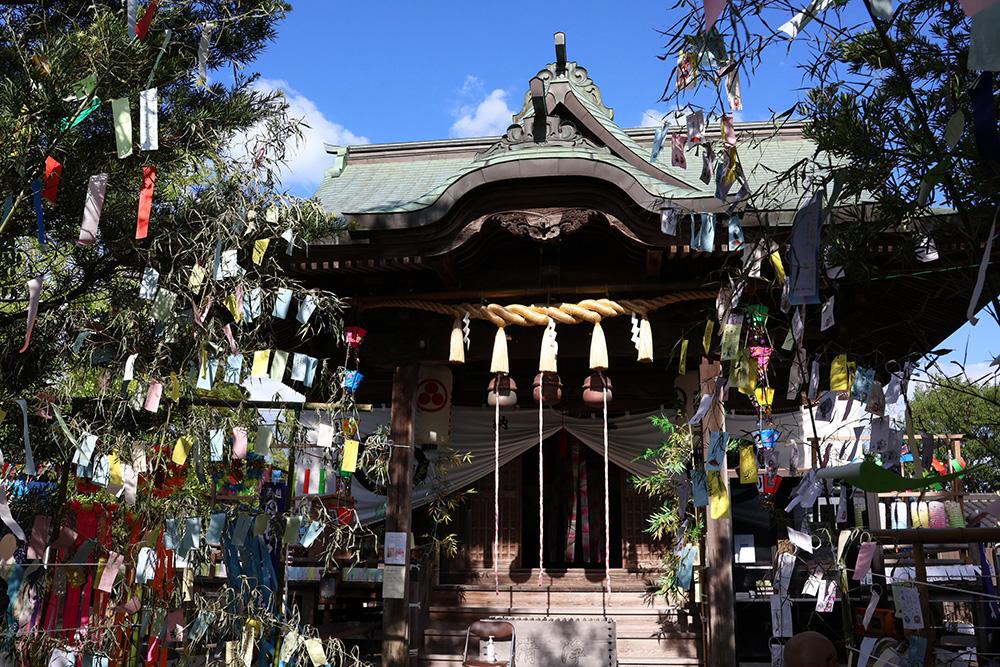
(500, 362)
(598, 349)
(456, 349)
(547, 356)
(645, 341)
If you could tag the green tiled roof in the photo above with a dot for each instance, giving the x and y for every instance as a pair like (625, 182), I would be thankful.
(400, 178)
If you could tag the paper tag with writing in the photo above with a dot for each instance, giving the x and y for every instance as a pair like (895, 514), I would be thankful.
(781, 616)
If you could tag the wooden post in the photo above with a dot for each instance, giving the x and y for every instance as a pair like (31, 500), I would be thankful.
(396, 613)
(718, 542)
(920, 572)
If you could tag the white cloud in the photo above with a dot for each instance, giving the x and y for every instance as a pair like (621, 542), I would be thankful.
(654, 117)
(487, 115)
(306, 159)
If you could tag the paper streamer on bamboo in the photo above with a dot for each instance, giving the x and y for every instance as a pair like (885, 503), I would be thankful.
(148, 120)
(142, 27)
(203, 46)
(121, 115)
(145, 202)
(798, 22)
(34, 294)
(96, 189)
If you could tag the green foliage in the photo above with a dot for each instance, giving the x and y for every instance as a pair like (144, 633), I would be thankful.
(221, 148)
(669, 460)
(954, 406)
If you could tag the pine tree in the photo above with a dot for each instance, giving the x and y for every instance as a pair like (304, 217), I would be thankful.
(130, 322)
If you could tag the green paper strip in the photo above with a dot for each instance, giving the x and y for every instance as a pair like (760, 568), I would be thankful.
(66, 123)
(322, 480)
(122, 116)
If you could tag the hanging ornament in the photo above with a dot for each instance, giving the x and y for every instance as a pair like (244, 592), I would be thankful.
(502, 388)
(456, 347)
(352, 380)
(598, 349)
(596, 387)
(547, 387)
(643, 339)
(355, 335)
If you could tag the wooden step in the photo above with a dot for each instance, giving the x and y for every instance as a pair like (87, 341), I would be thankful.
(554, 578)
(644, 626)
(448, 660)
(545, 599)
(678, 646)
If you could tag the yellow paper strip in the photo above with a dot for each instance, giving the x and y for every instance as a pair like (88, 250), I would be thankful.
(259, 248)
(718, 496)
(748, 465)
(182, 448)
(234, 308)
(350, 461)
(764, 395)
(682, 365)
(706, 341)
(261, 358)
(779, 268)
(122, 116)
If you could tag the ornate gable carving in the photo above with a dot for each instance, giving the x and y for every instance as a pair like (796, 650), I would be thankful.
(546, 224)
(531, 129)
(579, 78)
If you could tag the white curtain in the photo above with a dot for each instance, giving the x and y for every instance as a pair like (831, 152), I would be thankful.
(629, 436)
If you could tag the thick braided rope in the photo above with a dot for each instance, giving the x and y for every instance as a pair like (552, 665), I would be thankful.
(588, 310)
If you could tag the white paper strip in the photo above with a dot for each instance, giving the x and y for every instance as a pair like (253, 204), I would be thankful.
(703, 406)
(131, 14)
(981, 278)
(203, 46)
(29, 461)
(149, 122)
(7, 517)
(34, 295)
(793, 27)
(870, 610)
(96, 188)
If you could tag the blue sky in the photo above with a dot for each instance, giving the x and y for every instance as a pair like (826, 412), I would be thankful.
(385, 71)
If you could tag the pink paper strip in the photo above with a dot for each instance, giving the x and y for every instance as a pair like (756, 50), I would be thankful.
(973, 7)
(92, 209)
(864, 562)
(34, 293)
(713, 9)
(728, 131)
(39, 537)
(239, 442)
(228, 331)
(152, 403)
(111, 568)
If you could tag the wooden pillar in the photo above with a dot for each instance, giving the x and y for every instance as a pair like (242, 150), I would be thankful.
(396, 613)
(718, 542)
(920, 572)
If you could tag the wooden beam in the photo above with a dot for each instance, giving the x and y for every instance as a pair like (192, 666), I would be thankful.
(937, 535)
(718, 542)
(396, 613)
(560, 52)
